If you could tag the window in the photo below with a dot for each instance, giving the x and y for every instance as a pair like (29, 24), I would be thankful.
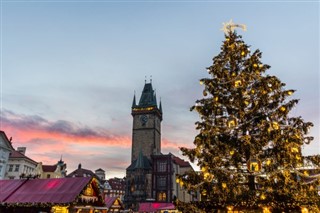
(48, 175)
(10, 168)
(0, 169)
(162, 166)
(161, 181)
(16, 169)
(162, 196)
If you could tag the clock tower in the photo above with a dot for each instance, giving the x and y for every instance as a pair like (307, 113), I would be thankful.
(146, 128)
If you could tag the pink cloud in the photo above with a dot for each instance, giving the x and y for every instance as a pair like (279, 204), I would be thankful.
(47, 141)
(27, 128)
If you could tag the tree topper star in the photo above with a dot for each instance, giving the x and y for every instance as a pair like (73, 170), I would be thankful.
(230, 26)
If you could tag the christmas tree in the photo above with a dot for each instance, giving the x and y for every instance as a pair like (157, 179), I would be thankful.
(248, 146)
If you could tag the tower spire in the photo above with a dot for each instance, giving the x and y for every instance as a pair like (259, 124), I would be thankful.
(134, 100)
(160, 106)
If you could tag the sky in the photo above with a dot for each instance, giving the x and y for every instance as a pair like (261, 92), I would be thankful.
(69, 70)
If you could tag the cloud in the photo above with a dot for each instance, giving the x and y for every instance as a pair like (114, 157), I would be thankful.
(26, 128)
(47, 141)
(93, 147)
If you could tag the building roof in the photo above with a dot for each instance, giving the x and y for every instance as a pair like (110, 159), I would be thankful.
(80, 172)
(180, 162)
(54, 191)
(148, 96)
(117, 184)
(113, 202)
(7, 142)
(141, 163)
(154, 207)
(19, 155)
(49, 168)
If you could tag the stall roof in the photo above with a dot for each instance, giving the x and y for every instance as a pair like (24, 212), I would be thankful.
(7, 187)
(154, 206)
(55, 190)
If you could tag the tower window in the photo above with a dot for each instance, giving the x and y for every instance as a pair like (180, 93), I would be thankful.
(161, 181)
(162, 166)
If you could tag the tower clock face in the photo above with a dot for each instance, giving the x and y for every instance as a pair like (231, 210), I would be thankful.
(143, 119)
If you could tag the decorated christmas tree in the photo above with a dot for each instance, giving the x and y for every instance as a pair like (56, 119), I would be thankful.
(248, 147)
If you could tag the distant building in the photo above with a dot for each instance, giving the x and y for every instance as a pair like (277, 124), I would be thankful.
(80, 172)
(101, 174)
(164, 186)
(115, 187)
(57, 170)
(5, 150)
(151, 175)
(19, 165)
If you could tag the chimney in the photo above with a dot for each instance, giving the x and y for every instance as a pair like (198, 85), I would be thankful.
(22, 150)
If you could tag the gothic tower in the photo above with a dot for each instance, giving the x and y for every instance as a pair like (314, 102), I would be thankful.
(146, 128)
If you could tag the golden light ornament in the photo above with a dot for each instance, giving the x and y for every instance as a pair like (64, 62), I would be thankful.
(201, 82)
(255, 65)
(294, 149)
(224, 185)
(275, 125)
(252, 91)
(177, 180)
(216, 98)
(290, 92)
(262, 197)
(204, 192)
(232, 122)
(254, 165)
(231, 152)
(306, 173)
(243, 53)
(304, 210)
(268, 162)
(260, 65)
(237, 83)
(205, 93)
(230, 208)
(204, 169)
(207, 176)
(282, 109)
(266, 210)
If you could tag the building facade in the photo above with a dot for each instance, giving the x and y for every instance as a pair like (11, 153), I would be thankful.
(19, 165)
(5, 150)
(115, 187)
(57, 170)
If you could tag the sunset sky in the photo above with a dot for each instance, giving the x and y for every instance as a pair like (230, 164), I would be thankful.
(69, 69)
